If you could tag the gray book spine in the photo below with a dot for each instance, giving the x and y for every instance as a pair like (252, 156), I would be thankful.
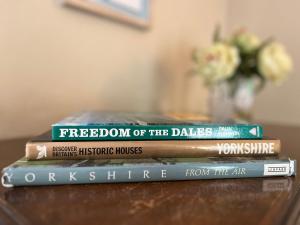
(27, 176)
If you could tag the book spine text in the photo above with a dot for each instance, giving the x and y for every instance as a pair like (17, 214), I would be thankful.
(149, 149)
(144, 173)
(151, 132)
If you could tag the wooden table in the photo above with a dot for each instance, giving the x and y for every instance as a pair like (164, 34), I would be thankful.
(232, 201)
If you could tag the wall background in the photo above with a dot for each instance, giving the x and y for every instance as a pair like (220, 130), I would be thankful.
(55, 61)
(281, 20)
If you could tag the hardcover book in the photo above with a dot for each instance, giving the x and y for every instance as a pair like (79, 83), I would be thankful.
(42, 148)
(55, 172)
(145, 126)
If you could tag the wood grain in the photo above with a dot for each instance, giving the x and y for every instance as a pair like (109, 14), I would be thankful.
(234, 201)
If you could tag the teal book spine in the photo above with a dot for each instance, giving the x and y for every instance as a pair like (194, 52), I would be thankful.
(58, 172)
(155, 132)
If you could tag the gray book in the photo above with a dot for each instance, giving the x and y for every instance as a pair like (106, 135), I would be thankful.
(56, 172)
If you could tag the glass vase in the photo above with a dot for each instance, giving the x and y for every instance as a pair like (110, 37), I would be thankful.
(233, 100)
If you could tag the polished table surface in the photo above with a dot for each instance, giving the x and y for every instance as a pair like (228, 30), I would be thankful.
(232, 201)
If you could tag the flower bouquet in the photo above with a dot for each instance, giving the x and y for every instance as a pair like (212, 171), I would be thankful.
(237, 68)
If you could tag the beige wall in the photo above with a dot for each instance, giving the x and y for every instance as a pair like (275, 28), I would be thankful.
(279, 19)
(54, 61)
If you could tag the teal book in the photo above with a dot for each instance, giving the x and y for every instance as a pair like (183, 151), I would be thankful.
(57, 172)
(98, 126)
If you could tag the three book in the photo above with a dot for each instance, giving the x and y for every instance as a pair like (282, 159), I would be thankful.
(101, 147)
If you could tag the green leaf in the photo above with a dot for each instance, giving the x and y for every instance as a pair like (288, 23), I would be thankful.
(217, 33)
(194, 55)
(264, 43)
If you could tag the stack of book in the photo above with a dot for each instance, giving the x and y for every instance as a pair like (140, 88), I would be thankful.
(102, 147)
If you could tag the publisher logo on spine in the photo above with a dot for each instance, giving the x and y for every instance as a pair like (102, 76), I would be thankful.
(254, 131)
(42, 151)
(276, 169)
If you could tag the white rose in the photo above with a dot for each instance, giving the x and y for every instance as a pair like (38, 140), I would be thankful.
(217, 62)
(246, 41)
(274, 63)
